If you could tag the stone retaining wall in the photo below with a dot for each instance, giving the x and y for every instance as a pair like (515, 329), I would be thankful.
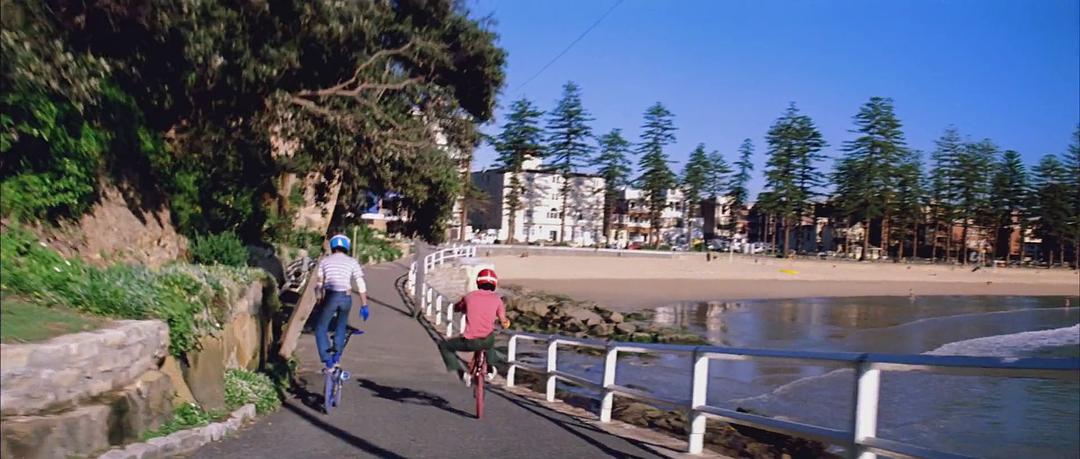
(59, 373)
(78, 395)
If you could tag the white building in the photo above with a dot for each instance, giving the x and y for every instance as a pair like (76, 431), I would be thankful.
(631, 222)
(538, 218)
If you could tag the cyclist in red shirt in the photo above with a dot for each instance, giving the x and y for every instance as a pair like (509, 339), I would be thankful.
(481, 308)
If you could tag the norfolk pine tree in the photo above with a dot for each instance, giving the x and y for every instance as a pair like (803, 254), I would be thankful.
(614, 167)
(658, 131)
(1008, 199)
(973, 170)
(943, 187)
(569, 135)
(519, 140)
(867, 174)
(1051, 203)
(697, 179)
(791, 174)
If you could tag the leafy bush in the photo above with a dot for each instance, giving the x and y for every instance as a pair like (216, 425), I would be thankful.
(219, 249)
(187, 416)
(371, 246)
(191, 299)
(243, 387)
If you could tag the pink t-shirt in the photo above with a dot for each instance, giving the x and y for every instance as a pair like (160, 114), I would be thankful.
(481, 308)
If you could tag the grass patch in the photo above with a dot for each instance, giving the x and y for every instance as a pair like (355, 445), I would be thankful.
(243, 387)
(187, 416)
(22, 321)
(191, 299)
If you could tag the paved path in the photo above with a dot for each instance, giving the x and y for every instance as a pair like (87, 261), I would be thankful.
(401, 403)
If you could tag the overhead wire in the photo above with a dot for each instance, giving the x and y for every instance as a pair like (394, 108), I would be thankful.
(571, 45)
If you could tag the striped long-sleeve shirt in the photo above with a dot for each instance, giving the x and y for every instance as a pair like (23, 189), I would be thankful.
(337, 271)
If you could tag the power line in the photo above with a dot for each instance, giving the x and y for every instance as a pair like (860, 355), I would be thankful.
(571, 45)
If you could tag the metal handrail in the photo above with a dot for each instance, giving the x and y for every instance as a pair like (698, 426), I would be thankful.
(860, 439)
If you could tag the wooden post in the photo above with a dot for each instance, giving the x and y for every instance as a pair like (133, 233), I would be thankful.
(291, 335)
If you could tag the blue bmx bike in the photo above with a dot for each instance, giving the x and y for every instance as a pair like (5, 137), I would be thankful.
(334, 379)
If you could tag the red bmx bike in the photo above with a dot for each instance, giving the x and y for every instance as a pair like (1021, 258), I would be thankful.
(478, 371)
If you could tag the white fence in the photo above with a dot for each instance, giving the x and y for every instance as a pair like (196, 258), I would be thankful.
(434, 305)
(859, 439)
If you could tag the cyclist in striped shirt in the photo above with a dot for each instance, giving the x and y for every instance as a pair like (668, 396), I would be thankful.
(334, 280)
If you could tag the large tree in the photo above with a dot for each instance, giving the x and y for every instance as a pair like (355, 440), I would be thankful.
(224, 98)
(910, 199)
(658, 131)
(1008, 201)
(521, 138)
(1051, 204)
(614, 166)
(697, 179)
(973, 171)
(943, 187)
(866, 176)
(791, 175)
(569, 143)
(738, 191)
(1072, 168)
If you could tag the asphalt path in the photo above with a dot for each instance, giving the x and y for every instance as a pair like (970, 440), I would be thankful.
(401, 402)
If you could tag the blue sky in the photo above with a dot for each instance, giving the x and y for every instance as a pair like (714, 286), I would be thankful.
(1004, 70)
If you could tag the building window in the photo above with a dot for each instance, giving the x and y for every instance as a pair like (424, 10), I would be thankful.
(553, 213)
(528, 213)
(553, 235)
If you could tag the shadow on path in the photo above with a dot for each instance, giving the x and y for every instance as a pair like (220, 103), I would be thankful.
(351, 439)
(572, 425)
(415, 397)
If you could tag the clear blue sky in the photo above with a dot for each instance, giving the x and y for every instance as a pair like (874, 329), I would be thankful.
(1006, 70)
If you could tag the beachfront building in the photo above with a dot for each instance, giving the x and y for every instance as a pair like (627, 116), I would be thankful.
(631, 223)
(720, 219)
(539, 216)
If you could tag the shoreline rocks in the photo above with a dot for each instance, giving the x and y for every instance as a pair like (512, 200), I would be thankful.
(541, 312)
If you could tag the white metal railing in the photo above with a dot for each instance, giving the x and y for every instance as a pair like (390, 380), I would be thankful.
(436, 306)
(860, 439)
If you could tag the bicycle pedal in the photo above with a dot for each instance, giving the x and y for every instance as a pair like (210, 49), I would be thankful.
(345, 375)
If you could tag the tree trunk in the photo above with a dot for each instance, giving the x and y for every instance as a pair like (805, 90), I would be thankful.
(963, 244)
(562, 211)
(948, 241)
(885, 227)
(787, 236)
(914, 239)
(865, 239)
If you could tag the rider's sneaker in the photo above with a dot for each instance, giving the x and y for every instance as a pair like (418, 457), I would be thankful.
(492, 374)
(465, 377)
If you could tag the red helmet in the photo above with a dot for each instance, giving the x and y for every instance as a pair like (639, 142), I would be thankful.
(487, 276)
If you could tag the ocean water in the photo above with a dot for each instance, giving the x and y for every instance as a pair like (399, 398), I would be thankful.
(978, 416)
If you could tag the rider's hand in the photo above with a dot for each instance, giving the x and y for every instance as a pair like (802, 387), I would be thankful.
(364, 313)
(506, 323)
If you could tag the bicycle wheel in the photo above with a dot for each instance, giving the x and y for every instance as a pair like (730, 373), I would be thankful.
(478, 385)
(328, 391)
(338, 385)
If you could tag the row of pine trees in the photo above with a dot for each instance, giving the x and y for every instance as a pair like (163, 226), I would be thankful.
(878, 181)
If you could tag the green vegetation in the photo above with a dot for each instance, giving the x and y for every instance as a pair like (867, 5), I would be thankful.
(23, 321)
(658, 131)
(613, 165)
(371, 246)
(191, 299)
(569, 145)
(521, 138)
(187, 416)
(219, 249)
(191, 110)
(243, 387)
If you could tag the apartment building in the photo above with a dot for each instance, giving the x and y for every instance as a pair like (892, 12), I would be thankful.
(631, 222)
(539, 215)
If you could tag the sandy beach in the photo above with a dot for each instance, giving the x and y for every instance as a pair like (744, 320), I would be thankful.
(635, 283)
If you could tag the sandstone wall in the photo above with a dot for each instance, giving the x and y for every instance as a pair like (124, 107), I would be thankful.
(78, 395)
(59, 373)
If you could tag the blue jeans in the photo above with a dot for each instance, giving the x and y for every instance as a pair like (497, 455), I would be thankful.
(335, 304)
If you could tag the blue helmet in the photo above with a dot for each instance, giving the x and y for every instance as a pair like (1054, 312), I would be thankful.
(340, 241)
